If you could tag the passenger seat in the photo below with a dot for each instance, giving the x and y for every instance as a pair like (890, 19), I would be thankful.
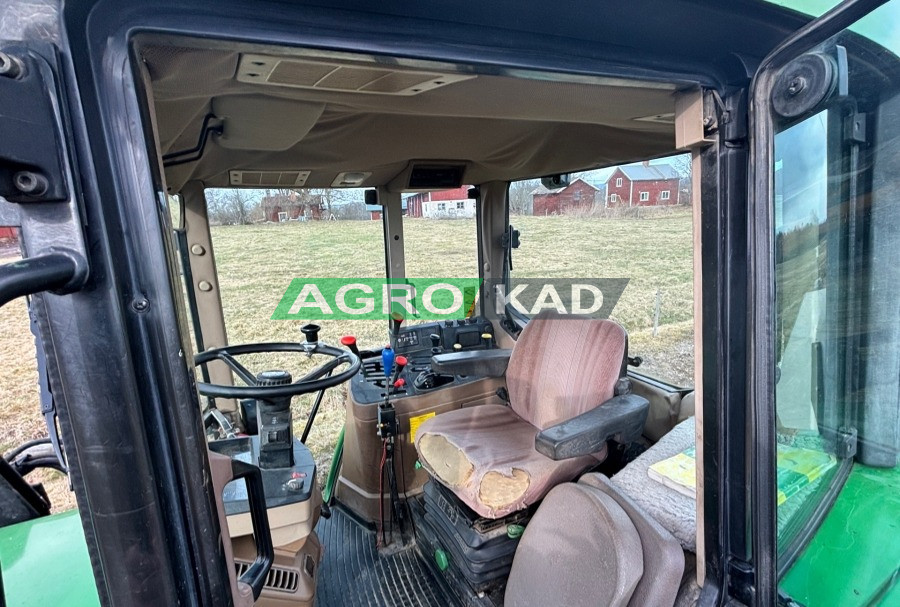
(589, 544)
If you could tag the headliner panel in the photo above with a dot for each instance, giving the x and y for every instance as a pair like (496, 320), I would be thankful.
(503, 127)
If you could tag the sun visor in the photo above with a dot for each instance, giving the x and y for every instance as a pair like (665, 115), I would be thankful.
(264, 123)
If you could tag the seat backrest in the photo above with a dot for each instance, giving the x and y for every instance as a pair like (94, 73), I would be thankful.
(580, 548)
(663, 557)
(564, 365)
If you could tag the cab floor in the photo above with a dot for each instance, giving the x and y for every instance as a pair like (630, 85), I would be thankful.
(354, 573)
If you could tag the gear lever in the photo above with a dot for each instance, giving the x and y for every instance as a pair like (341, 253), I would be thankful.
(396, 320)
(399, 363)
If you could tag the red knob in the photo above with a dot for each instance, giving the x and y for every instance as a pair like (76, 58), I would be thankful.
(400, 383)
(400, 361)
(348, 341)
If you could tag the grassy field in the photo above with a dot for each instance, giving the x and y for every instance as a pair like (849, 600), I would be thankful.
(256, 264)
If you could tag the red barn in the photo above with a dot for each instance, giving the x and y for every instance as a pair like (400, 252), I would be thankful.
(292, 205)
(643, 185)
(419, 204)
(8, 233)
(577, 195)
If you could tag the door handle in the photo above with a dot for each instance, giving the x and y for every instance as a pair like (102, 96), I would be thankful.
(49, 272)
(256, 574)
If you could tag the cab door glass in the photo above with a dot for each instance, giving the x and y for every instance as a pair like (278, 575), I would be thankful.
(836, 329)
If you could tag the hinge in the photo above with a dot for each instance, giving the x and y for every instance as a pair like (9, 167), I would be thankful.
(741, 578)
(855, 128)
(845, 442)
(31, 159)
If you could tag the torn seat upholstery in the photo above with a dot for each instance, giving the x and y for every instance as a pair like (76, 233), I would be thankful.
(561, 367)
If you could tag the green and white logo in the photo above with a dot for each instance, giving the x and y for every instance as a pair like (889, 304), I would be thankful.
(444, 298)
(374, 298)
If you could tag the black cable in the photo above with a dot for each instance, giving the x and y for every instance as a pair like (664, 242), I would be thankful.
(28, 464)
(381, 490)
(406, 495)
(25, 446)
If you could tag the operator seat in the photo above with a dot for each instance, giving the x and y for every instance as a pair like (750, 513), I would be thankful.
(562, 366)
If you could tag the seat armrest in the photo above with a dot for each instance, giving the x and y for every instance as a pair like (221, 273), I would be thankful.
(483, 363)
(621, 419)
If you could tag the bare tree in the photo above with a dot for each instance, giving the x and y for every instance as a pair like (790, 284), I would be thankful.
(682, 165)
(232, 206)
(520, 197)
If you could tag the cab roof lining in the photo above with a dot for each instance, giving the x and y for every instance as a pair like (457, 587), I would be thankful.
(501, 127)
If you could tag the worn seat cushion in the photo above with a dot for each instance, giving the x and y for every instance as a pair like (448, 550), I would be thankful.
(486, 455)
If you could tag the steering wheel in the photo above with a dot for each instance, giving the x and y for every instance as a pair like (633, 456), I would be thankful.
(270, 385)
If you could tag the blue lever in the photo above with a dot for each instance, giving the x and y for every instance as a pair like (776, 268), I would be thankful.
(387, 360)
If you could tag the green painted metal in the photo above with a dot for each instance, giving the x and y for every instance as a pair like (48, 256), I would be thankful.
(45, 562)
(442, 560)
(854, 557)
(333, 469)
(514, 531)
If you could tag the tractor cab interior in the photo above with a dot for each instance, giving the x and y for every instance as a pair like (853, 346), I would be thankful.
(286, 381)
(462, 433)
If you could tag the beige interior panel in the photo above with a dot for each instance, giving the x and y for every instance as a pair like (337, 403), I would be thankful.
(255, 122)
(292, 580)
(206, 287)
(289, 524)
(665, 408)
(357, 486)
(220, 469)
(503, 127)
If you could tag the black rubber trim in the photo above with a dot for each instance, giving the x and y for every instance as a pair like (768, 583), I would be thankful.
(481, 363)
(621, 418)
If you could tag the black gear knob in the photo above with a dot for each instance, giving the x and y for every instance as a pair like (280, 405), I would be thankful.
(396, 321)
(311, 332)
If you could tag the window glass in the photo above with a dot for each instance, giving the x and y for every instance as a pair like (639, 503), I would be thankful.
(613, 231)
(440, 234)
(837, 333)
(262, 240)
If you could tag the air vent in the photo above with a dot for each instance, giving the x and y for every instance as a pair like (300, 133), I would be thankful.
(275, 179)
(659, 118)
(279, 578)
(299, 73)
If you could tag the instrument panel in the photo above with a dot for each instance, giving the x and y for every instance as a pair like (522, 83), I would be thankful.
(418, 343)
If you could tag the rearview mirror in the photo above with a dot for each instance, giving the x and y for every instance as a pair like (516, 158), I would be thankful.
(553, 182)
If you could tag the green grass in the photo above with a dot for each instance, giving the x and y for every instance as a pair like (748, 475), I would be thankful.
(256, 263)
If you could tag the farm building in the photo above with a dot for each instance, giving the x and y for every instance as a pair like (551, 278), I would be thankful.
(643, 185)
(7, 233)
(292, 205)
(441, 204)
(375, 211)
(579, 195)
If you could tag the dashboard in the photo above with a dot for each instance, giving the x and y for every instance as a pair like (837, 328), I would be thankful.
(418, 343)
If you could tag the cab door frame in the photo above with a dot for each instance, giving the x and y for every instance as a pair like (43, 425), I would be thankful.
(761, 248)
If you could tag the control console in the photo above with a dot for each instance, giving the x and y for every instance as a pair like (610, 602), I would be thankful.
(418, 343)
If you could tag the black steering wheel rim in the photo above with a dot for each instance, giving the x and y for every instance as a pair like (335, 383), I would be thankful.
(319, 379)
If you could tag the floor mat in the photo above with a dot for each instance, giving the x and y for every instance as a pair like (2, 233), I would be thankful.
(353, 573)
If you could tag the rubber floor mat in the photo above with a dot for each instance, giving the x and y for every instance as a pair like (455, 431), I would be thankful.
(353, 573)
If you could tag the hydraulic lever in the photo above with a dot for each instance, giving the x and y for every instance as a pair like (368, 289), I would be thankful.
(396, 321)
(387, 429)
